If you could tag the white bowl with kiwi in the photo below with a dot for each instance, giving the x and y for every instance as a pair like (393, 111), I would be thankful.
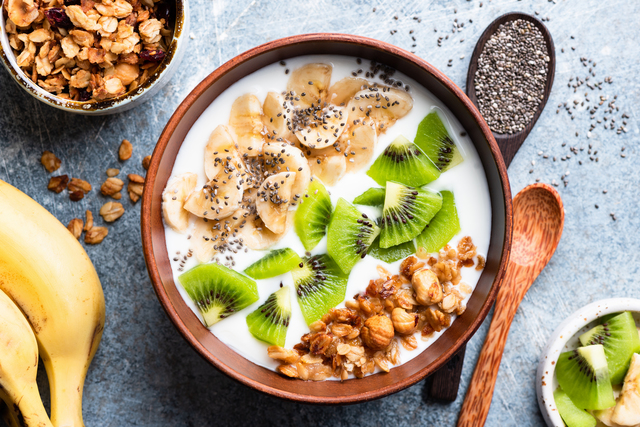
(589, 371)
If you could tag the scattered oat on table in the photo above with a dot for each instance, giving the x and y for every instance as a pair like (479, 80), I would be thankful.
(95, 235)
(111, 211)
(75, 227)
(50, 162)
(58, 183)
(126, 149)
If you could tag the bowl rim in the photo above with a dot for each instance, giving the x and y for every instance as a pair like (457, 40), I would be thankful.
(174, 122)
(556, 345)
(178, 41)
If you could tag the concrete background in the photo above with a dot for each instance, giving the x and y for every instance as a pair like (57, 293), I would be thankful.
(144, 374)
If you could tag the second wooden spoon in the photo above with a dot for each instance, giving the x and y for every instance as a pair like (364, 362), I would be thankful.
(538, 219)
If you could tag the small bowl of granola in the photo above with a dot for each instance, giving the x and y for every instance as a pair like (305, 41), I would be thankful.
(93, 57)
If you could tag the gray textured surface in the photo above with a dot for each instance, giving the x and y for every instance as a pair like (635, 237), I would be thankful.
(145, 374)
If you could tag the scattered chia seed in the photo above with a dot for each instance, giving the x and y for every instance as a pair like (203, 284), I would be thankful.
(512, 72)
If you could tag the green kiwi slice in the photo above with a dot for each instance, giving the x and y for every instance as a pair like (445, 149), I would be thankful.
(392, 254)
(583, 374)
(270, 321)
(349, 235)
(320, 285)
(218, 291)
(275, 263)
(442, 227)
(406, 212)
(313, 215)
(570, 413)
(619, 337)
(433, 139)
(371, 197)
(402, 161)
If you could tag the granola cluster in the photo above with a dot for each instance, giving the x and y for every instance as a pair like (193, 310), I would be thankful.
(366, 335)
(88, 49)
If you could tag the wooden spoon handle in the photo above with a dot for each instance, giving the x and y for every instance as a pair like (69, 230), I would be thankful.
(478, 399)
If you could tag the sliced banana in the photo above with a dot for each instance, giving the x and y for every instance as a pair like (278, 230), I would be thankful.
(282, 157)
(219, 151)
(221, 196)
(627, 410)
(321, 127)
(257, 236)
(310, 85)
(273, 200)
(277, 118)
(383, 105)
(358, 144)
(211, 237)
(341, 92)
(330, 169)
(246, 122)
(173, 198)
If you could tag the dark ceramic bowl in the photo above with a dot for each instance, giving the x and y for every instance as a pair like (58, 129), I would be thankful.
(227, 360)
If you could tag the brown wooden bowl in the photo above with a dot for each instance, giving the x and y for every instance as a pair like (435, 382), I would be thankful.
(223, 357)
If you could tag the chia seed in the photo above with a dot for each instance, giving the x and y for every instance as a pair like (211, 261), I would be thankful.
(512, 72)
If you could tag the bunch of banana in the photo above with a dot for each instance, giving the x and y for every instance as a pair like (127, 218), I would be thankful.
(48, 275)
(18, 367)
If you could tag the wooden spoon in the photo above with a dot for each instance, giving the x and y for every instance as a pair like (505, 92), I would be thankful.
(538, 218)
(443, 384)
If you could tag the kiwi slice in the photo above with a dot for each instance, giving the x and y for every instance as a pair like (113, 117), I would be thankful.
(371, 197)
(313, 215)
(218, 291)
(320, 285)
(570, 413)
(406, 212)
(349, 235)
(442, 227)
(392, 254)
(583, 374)
(270, 321)
(275, 263)
(402, 161)
(619, 337)
(433, 139)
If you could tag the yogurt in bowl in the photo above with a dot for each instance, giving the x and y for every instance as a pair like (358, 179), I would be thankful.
(344, 168)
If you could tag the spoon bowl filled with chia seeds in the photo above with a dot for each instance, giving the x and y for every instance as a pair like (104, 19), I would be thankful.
(510, 77)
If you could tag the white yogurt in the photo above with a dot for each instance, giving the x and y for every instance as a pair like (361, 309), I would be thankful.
(467, 181)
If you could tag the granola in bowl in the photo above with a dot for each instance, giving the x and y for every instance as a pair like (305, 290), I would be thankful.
(396, 310)
(85, 50)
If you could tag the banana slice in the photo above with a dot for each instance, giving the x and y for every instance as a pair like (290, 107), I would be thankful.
(341, 92)
(320, 127)
(219, 151)
(310, 85)
(219, 197)
(277, 118)
(383, 105)
(173, 198)
(257, 236)
(273, 200)
(246, 121)
(330, 169)
(211, 237)
(358, 144)
(282, 157)
(627, 410)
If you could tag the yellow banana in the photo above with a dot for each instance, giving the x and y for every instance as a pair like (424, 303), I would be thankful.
(48, 275)
(19, 366)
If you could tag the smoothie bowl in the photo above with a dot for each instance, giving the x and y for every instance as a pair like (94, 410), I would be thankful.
(327, 218)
